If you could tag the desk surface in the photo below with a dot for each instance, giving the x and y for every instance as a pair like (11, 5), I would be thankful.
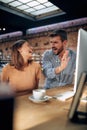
(50, 115)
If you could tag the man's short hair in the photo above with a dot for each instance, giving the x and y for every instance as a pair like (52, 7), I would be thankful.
(61, 33)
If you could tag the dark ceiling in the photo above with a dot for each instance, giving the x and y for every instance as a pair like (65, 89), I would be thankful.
(74, 9)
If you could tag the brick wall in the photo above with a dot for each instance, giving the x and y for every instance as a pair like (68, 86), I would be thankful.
(40, 42)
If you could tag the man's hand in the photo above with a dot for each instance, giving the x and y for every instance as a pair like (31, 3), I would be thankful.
(64, 62)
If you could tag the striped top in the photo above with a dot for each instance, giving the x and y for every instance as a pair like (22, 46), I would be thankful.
(50, 61)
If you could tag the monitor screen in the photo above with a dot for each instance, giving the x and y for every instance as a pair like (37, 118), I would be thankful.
(81, 59)
(81, 72)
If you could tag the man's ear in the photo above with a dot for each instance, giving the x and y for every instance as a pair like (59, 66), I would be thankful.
(65, 43)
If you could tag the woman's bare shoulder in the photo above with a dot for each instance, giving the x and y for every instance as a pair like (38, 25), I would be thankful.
(35, 64)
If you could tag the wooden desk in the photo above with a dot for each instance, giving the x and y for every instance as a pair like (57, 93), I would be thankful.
(50, 115)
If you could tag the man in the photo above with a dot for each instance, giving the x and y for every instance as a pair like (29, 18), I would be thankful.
(58, 63)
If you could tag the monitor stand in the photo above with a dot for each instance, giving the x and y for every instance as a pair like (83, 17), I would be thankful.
(79, 117)
(75, 115)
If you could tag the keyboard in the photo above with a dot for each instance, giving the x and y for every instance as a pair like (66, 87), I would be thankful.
(64, 96)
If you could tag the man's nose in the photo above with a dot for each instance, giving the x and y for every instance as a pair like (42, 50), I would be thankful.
(53, 44)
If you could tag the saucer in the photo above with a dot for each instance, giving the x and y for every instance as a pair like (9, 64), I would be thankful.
(46, 98)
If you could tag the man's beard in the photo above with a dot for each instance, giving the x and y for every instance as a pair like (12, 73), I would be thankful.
(58, 50)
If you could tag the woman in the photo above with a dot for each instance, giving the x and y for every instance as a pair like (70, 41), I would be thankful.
(22, 73)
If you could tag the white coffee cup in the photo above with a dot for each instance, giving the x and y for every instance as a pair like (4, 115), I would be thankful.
(39, 94)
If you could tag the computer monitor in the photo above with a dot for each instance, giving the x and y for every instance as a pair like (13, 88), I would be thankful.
(81, 60)
(81, 64)
(81, 71)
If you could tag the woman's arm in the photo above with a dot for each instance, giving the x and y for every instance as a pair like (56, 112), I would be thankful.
(4, 75)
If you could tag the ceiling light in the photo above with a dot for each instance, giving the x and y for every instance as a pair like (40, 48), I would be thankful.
(33, 3)
(22, 7)
(6, 1)
(4, 29)
(25, 1)
(15, 3)
(36, 9)
(29, 10)
(48, 4)
(46, 10)
(42, 1)
(39, 7)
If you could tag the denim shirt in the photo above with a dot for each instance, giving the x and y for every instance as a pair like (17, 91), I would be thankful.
(50, 61)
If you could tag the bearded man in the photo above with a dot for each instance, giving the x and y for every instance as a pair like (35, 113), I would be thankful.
(59, 62)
